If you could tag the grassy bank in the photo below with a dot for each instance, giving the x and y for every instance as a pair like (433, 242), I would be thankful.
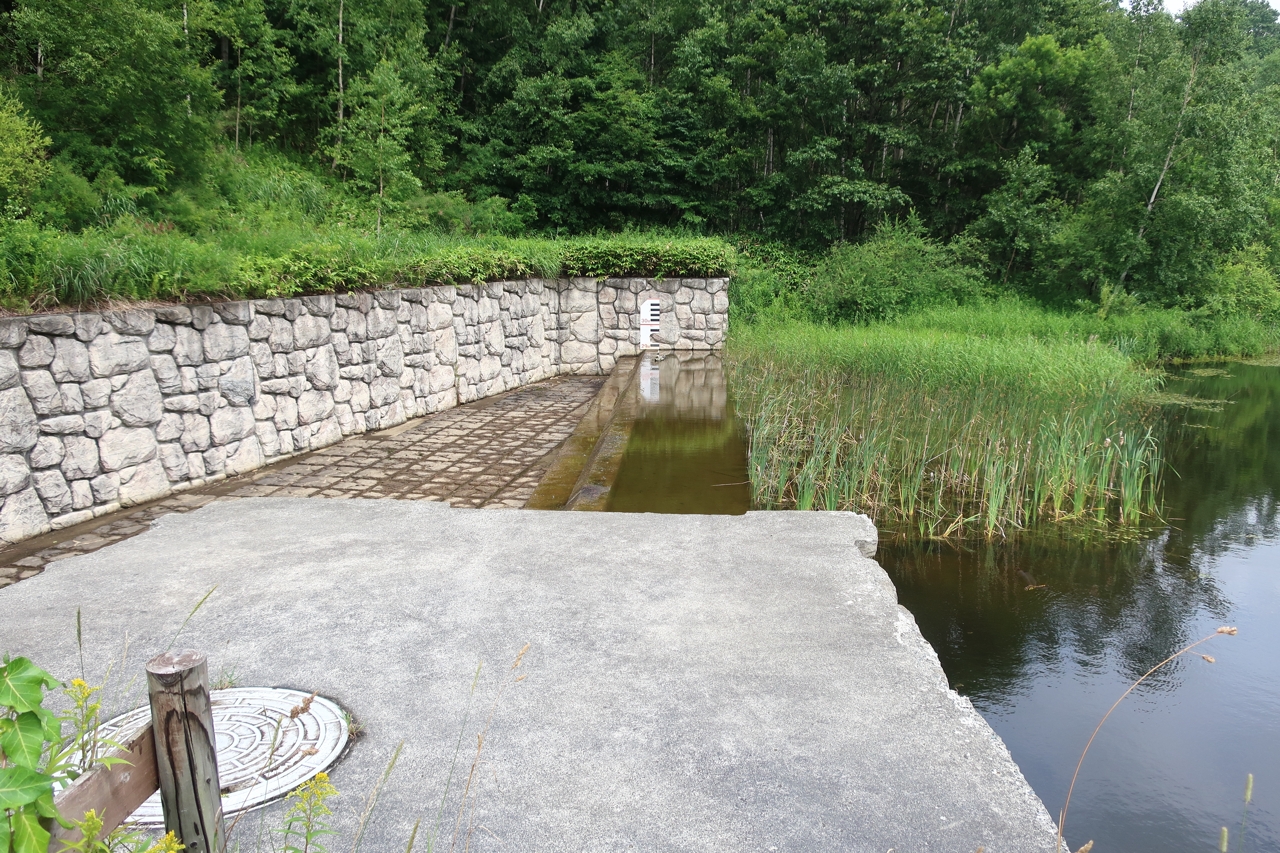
(950, 433)
(42, 269)
(1146, 335)
(267, 226)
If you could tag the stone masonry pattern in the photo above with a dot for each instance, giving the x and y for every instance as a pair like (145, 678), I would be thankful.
(105, 410)
(489, 454)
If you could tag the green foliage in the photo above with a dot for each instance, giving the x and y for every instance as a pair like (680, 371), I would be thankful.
(1245, 284)
(1146, 335)
(770, 283)
(947, 433)
(133, 259)
(372, 143)
(116, 86)
(22, 151)
(1066, 149)
(304, 823)
(30, 762)
(65, 200)
(638, 254)
(898, 271)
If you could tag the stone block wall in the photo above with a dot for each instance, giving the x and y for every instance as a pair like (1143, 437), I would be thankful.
(110, 409)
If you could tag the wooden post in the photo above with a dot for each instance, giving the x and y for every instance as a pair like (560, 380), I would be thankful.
(178, 684)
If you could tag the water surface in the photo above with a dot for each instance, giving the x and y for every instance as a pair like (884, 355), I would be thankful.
(1044, 635)
(687, 451)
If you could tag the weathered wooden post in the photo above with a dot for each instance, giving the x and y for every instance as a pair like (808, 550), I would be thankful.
(181, 717)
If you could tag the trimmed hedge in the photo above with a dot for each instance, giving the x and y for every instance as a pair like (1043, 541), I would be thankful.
(615, 257)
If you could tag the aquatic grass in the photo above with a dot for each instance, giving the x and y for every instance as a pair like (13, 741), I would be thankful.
(948, 434)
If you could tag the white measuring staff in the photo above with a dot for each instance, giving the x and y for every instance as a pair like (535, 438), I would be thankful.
(650, 322)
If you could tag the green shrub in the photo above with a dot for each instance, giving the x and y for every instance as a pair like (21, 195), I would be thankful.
(453, 213)
(65, 199)
(1245, 285)
(643, 255)
(898, 271)
(22, 151)
(770, 282)
(136, 259)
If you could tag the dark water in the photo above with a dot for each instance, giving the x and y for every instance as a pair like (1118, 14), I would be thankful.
(1043, 664)
(687, 452)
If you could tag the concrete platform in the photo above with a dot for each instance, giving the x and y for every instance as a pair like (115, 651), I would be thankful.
(699, 683)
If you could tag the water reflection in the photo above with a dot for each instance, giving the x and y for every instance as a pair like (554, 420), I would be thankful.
(1044, 634)
(687, 452)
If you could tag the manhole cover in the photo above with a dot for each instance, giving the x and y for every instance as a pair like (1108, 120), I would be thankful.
(263, 753)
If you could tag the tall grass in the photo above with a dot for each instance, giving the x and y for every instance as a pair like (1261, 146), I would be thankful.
(1147, 335)
(274, 228)
(952, 434)
(130, 260)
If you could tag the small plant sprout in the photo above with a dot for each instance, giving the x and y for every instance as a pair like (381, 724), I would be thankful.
(1062, 819)
(227, 678)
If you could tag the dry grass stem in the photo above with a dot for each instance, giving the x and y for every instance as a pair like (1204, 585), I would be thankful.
(1062, 818)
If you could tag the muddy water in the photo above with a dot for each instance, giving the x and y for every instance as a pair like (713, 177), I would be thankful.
(687, 451)
(1044, 635)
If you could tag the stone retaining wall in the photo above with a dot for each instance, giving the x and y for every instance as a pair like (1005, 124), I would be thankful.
(104, 410)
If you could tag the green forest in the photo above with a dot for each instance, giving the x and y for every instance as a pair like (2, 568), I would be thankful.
(1063, 151)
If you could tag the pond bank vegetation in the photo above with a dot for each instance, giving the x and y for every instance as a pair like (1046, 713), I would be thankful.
(946, 433)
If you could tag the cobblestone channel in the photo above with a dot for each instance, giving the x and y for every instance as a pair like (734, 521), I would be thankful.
(486, 454)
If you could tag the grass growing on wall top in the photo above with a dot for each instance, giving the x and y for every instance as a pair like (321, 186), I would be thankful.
(43, 269)
(952, 434)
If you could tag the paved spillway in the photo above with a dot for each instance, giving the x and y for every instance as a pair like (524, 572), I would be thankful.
(705, 683)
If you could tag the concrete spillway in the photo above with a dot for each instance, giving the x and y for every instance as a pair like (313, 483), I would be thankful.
(697, 683)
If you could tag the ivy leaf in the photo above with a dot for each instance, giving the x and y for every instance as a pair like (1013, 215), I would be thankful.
(28, 835)
(22, 684)
(21, 785)
(23, 740)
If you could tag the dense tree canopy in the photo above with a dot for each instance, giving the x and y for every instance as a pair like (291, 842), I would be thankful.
(1069, 148)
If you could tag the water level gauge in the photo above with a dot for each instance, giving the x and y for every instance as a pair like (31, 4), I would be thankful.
(650, 323)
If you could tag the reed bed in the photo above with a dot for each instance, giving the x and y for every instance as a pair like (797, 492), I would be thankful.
(950, 434)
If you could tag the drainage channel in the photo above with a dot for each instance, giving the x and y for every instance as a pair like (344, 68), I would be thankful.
(661, 436)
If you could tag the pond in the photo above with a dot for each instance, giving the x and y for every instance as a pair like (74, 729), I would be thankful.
(1043, 636)
(1044, 633)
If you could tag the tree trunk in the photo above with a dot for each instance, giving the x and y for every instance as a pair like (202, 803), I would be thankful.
(1187, 94)
(337, 149)
(238, 87)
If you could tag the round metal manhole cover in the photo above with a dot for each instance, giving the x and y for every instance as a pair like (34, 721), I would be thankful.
(263, 751)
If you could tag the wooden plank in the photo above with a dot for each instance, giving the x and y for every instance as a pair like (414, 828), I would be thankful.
(186, 763)
(113, 792)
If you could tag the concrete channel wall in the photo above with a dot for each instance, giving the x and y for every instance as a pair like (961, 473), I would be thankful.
(114, 408)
